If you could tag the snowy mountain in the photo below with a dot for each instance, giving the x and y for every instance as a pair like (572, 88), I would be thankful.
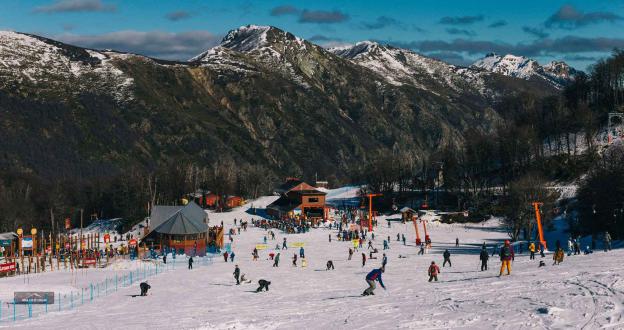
(557, 73)
(405, 67)
(258, 97)
(46, 66)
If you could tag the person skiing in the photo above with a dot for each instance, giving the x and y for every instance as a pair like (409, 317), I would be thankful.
(607, 241)
(232, 256)
(330, 264)
(384, 261)
(447, 258)
(457, 242)
(484, 256)
(370, 245)
(385, 245)
(301, 252)
(264, 284)
(284, 247)
(276, 262)
(363, 259)
(144, 287)
(374, 275)
(350, 253)
(237, 274)
(403, 238)
(506, 255)
(558, 256)
(532, 250)
(433, 271)
(190, 263)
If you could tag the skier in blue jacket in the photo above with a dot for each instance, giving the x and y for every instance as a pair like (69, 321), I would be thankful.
(374, 275)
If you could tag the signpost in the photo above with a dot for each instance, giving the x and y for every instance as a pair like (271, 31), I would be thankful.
(34, 297)
(7, 267)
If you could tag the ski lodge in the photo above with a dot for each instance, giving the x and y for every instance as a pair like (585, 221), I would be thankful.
(298, 200)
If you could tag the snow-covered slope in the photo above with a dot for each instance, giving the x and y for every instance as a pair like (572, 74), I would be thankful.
(583, 292)
(401, 66)
(27, 60)
(557, 73)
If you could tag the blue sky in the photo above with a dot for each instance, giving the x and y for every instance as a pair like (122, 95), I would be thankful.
(579, 32)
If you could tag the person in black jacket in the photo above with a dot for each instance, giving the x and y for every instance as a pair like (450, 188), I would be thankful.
(484, 256)
(237, 274)
(190, 263)
(144, 287)
(264, 284)
(447, 258)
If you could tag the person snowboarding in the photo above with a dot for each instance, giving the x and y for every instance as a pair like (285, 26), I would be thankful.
(363, 259)
(422, 249)
(484, 256)
(384, 261)
(264, 284)
(237, 274)
(374, 275)
(607, 241)
(144, 287)
(276, 261)
(506, 255)
(532, 251)
(330, 264)
(433, 271)
(190, 263)
(447, 258)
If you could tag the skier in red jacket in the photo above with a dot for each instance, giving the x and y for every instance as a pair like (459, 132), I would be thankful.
(433, 272)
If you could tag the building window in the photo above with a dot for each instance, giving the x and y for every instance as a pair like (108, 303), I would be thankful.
(313, 199)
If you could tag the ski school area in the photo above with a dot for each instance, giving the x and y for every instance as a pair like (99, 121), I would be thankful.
(584, 291)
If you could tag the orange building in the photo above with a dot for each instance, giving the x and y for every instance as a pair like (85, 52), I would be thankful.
(298, 200)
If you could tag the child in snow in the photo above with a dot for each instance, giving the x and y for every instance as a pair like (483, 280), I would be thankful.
(433, 271)
(506, 255)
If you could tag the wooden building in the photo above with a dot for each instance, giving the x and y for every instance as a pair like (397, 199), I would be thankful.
(298, 200)
(183, 228)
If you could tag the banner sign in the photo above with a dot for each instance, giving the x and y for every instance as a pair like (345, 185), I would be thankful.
(298, 244)
(27, 243)
(8, 267)
(88, 261)
(5, 242)
(261, 246)
(34, 297)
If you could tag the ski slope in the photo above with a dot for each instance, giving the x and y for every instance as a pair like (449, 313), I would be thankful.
(585, 292)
